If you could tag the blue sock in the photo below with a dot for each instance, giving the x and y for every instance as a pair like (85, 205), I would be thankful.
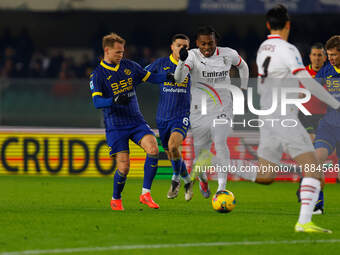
(184, 171)
(118, 184)
(319, 203)
(176, 166)
(150, 170)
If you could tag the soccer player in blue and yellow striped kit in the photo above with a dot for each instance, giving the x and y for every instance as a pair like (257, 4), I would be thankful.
(328, 132)
(173, 115)
(113, 85)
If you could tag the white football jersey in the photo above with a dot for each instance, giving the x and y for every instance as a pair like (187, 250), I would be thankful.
(277, 62)
(210, 77)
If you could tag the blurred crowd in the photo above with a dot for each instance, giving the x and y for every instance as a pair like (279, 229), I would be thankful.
(21, 58)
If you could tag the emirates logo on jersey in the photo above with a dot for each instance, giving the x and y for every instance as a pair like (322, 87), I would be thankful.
(214, 74)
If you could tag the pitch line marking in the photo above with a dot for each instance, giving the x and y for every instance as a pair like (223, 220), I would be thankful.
(160, 246)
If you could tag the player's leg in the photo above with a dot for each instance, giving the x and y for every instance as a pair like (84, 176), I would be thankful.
(201, 165)
(301, 149)
(324, 146)
(150, 146)
(220, 133)
(164, 129)
(269, 154)
(119, 179)
(309, 193)
(118, 142)
(175, 141)
(202, 143)
(174, 156)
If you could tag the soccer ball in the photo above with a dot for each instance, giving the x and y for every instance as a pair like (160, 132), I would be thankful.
(223, 201)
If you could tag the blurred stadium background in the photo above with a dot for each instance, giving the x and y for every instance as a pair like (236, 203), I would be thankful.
(49, 47)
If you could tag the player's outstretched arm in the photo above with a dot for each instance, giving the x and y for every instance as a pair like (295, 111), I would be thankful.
(309, 83)
(182, 70)
(244, 74)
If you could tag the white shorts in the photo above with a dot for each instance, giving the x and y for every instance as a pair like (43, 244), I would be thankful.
(207, 128)
(278, 139)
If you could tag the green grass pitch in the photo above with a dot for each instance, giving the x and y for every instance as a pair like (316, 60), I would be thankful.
(49, 213)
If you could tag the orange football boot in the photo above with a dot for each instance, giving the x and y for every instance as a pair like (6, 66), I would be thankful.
(147, 200)
(116, 205)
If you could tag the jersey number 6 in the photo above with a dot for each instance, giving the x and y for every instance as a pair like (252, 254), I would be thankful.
(186, 121)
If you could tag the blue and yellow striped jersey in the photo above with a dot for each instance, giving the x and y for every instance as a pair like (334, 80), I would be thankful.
(111, 80)
(330, 75)
(174, 98)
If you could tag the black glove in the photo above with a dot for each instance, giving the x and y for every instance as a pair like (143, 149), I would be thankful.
(170, 77)
(121, 99)
(183, 54)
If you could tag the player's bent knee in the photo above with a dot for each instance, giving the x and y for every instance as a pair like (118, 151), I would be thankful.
(123, 165)
(152, 150)
(123, 168)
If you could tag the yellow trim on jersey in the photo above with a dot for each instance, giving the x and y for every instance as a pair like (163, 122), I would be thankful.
(211, 95)
(336, 69)
(174, 130)
(173, 60)
(97, 94)
(109, 67)
(146, 77)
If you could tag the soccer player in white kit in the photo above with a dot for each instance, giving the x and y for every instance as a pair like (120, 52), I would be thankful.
(209, 68)
(279, 62)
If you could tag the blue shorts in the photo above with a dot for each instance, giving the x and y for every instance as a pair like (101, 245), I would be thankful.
(180, 125)
(328, 136)
(118, 139)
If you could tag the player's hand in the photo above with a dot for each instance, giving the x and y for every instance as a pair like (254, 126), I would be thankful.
(121, 99)
(170, 77)
(183, 54)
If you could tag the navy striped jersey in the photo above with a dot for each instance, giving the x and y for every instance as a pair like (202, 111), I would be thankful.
(174, 98)
(330, 75)
(110, 80)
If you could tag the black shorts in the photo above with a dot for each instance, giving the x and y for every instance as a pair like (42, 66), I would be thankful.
(310, 122)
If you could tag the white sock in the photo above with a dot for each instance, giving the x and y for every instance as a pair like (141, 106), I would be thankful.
(187, 179)
(309, 193)
(144, 191)
(175, 178)
(222, 180)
